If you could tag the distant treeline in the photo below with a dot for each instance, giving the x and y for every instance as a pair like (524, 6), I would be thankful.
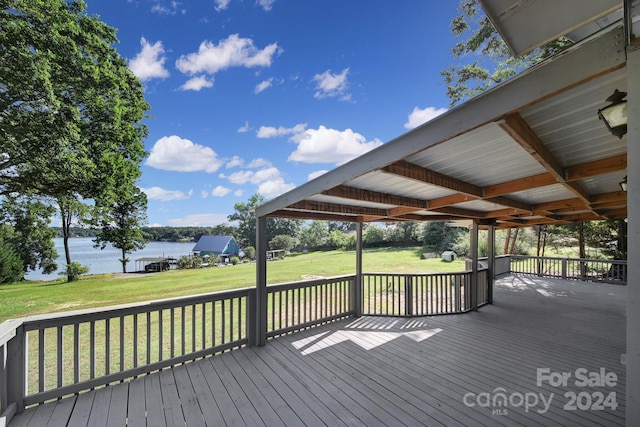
(163, 234)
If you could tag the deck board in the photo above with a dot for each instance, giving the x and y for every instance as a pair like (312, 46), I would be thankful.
(378, 371)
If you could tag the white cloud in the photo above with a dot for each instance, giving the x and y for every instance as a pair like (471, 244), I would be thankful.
(204, 194)
(233, 51)
(199, 220)
(221, 4)
(332, 85)
(266, 4)
(168, 7)
(220, 191)
(235, 162)
(325, 145)
(149, 63)
(314, 175)
(245, 128)
(238, 193)
(263, 85)
(173, 153)
(419, 116)
(158, 193)
(257, 177)
(258, 163)
(274, 188)
(197, 83)
(272, 132)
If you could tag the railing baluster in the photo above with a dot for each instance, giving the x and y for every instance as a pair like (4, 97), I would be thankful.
(41, 348)
(59, 355)
(107, 346)
(92, 349)
(76, 352)
(121, 344)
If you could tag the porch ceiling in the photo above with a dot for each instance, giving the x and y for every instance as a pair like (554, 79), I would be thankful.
(531, 151)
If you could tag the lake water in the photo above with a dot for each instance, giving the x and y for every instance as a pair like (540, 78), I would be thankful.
(107, 260)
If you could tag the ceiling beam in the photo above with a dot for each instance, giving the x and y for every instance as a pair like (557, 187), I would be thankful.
(597, 167)
(465, 213)
(353, 193)
(320, 216)
(518, 129)
(515, 126)
(336, 208)
(418, 173)
(520, 184)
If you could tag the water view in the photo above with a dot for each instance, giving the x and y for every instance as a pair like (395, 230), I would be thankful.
(107, 260)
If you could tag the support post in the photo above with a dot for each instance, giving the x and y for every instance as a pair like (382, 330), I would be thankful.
(261, 281)
(633, 236)
(356, 294)
(491, 261)
(16, 371)
(473, 235)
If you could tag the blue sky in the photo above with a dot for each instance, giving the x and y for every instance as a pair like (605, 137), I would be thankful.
(260, 96)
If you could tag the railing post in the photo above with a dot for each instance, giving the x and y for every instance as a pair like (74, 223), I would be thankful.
(356, 293)
(491, 262)
(408, 295)
(261, 281)
(252, 318)
(473, 232)
(564, 268)
(15, 368)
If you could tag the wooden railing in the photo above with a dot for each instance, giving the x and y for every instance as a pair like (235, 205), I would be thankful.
(48, 357)
(297, 305)
(421, 294)
(593, 270)
(51, 356)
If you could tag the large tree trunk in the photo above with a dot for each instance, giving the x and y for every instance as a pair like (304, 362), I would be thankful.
(66, 215)
(123, 260)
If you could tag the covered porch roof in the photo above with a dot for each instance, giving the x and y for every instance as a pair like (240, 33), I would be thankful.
(531, 151)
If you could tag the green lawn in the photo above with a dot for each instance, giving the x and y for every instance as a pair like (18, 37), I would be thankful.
(28, 298)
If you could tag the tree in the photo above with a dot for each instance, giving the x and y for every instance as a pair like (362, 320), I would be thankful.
(30, 237)
(314, 235)
(487, 57)
(121, 222)
(245, 216)
(337, 239)
(77, 114)
(69, 209)
(11, 268)
(439, 235)
(282, 241)
(79, 102)
(373, 235)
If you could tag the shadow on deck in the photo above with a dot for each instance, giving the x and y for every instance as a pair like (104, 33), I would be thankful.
(481, 368)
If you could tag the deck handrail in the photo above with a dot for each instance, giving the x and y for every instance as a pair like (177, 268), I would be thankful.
(49, 356)
(583, 269)
(46, 357)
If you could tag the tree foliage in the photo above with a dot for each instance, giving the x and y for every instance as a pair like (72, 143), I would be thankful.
(282, 241)
(314, 235)
(27, 232)
(72, 111)
(11, 266)
(245, 216)
(121, 222)
(482, 57)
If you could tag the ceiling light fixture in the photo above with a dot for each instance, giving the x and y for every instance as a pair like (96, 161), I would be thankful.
(614, 115)
(623, 184)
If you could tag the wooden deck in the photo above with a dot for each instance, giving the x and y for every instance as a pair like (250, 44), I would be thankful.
(443, 370)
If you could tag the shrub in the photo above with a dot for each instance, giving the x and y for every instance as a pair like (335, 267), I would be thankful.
(74, 271)
(11, 267)
(249, 252)
(235, 260)
(189, 261)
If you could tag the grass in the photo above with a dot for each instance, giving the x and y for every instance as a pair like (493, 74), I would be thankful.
(30, 298)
